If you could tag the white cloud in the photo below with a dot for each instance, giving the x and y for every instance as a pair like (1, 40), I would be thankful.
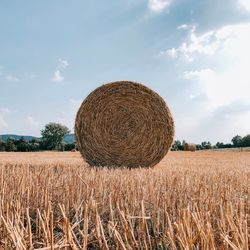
(212, 42)
(158, 5)
(172, 53)
(12, 78)
(198, 74)
(228, 78)
(57, 77)
(32, 122)
(198, 44)
(63, 63)
(217, 83)
(183, 27)
(222, 88)
(245, 4)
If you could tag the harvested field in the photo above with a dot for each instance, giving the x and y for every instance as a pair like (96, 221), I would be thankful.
(190, 200)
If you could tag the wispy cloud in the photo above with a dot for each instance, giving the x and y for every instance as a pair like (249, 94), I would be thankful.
(197, 74)
(227, 78)
(62, 64)
(158, 6)
(183, 27)
(57, 77)
(11, 78)
(211, 43)
(205, 44)
(216, 81)
(172, 53)
(245, 4)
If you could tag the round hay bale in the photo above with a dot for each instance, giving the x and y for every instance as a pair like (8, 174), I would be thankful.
(124, 124)
(190, 147)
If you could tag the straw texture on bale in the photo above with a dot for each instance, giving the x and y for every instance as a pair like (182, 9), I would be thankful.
(124, 124)
(190, 147)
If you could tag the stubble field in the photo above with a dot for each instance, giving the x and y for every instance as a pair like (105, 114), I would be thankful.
(189, 201)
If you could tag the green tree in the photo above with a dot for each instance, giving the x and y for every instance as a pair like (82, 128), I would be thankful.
(237, 141)
(206, 145)
(52, 136)
(10, 145)
(219, 145)
(2, 145)
(175, 145)
(33, 147)
(70, 147)
(246, 141)
(22, 145)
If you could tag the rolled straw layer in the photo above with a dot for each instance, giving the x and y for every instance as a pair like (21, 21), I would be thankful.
(124, 124)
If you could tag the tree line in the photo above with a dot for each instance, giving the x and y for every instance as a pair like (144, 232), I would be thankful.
(52, 138)
(236, 142)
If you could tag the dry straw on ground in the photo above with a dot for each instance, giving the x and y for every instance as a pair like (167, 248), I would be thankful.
(189, 147)
(189, 201)
(124, 124)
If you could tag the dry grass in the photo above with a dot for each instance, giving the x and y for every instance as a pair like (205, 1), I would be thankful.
(189, 201)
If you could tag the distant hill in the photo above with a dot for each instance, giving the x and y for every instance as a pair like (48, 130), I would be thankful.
(67, 139)
(17, 137)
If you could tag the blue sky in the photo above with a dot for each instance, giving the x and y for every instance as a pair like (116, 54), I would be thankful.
(195, 54)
